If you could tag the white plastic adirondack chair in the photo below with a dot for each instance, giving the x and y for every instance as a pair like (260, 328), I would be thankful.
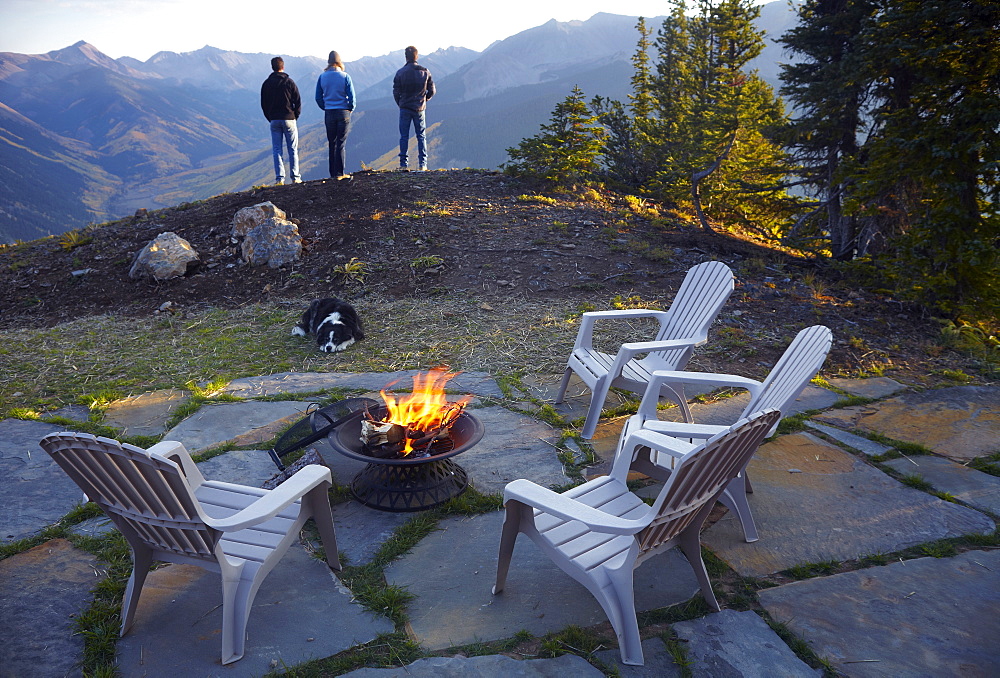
(798, 364)
(599, 532)
(167, 511)
(684, 326)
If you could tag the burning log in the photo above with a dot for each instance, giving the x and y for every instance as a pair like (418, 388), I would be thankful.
(414, 424)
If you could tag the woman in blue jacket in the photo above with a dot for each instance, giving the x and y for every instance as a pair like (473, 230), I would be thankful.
(335, 95)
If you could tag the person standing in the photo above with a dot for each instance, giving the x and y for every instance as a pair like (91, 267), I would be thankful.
(411, 88)
(280, 101)
(335, 96)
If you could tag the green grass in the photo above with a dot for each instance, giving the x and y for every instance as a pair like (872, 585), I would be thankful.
(98, 360)
(989, 464)
(810, 570)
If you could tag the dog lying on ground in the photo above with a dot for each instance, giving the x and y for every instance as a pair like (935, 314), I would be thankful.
(334, 322)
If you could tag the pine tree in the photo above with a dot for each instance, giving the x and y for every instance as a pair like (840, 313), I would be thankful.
(628, 155)
(565, 151)
(717, 119)
(830, 99)
(900, 132)
(931, 160)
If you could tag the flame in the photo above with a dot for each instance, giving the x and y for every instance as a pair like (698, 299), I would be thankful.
(427, 408)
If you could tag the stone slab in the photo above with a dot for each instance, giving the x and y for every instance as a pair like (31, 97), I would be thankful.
(856, 442)
(814, 502)
(145, 414)
(34, 491)
(657, 662)
(731, 644)
(923, 617)
(361, 530)
(219, 423)
(961, 422)
(876, 387)
(243, 467)
(477, 383)
(301, 612)
(979, 490)
(74, 412)
(514, 446)
(94, 527)
(452, 571)
(41, 591)
(487, 666)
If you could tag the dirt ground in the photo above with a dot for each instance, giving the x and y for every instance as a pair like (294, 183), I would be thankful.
(457, 232)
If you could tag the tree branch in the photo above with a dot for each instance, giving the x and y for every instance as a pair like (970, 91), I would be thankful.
(697, 177)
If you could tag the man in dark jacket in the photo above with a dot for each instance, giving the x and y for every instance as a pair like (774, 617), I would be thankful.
(279, 99)
(411, 88)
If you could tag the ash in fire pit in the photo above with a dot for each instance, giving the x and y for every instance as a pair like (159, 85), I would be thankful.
(417, 425)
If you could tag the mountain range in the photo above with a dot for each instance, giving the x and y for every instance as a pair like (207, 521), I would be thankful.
(86, 138)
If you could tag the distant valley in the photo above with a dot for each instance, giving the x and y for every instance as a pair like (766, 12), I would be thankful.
(85, 138)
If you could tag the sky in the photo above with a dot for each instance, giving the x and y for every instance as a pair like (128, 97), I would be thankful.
(141, 28)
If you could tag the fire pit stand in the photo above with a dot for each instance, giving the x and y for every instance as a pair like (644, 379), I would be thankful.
(408, 484)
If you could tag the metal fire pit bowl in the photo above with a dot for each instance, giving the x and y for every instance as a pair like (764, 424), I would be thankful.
(407, 484)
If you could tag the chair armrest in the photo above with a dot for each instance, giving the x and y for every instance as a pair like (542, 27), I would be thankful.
(177, 453)
(585, 335)
(553, 503)
(634, 348)
(276, 500)
(668, 444)
(707, 379)
(676, 429)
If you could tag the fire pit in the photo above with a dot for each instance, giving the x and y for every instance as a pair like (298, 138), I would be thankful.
(407, 445)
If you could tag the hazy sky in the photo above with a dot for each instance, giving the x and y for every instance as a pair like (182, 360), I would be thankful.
(140, 28)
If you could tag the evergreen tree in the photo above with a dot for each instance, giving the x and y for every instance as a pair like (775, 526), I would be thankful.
(628, 156)
(900, 126)
(931, 161)
(717, 119)
(565, 151)
(830, 98)
(642, 78)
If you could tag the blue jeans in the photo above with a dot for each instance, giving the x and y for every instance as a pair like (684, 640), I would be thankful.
(289, 131)
(338, 124)
(406, 116)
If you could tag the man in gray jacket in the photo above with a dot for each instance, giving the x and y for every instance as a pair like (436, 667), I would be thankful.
(411, 88)
(280, 101)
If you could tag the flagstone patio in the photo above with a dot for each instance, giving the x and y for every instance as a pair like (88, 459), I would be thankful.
(817, 497)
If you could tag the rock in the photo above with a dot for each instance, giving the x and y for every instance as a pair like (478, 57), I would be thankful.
(275, 242)
(166, 256)
(249, 218)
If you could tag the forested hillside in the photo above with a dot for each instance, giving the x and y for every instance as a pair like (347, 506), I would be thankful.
(888, 162)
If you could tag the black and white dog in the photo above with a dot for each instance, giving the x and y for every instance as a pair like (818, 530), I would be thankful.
(334, 322)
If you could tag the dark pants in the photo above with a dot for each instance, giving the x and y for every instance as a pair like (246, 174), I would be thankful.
(338, 124)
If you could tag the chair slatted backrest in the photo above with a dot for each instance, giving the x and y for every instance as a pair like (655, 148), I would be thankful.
(701, 475)
(704, 290)
(798, 364)
(140, 493)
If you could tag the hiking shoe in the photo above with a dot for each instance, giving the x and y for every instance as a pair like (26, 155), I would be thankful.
(344, 177)
(296, 181)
